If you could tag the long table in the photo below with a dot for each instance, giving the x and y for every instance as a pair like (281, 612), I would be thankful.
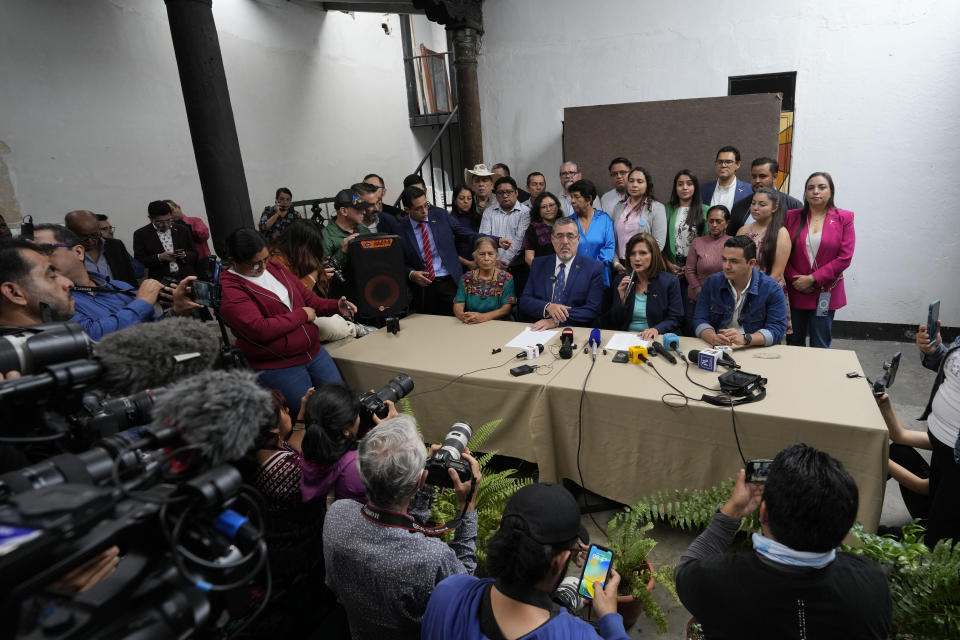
(631, 443)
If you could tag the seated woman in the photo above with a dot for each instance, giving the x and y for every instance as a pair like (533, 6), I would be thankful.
(647, 298)
(299, 248)
(271, 314)
(331, 419)
(487, 292)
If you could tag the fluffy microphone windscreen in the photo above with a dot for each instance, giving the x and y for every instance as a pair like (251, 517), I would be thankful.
(146, 355)
(222, 411)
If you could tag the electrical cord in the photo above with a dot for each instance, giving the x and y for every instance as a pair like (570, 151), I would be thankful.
(680, 394)
(447, 384)
(686, 372)
(583, 392)
(733, 417)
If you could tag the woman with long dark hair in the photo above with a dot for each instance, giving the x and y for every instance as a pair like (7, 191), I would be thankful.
(647, 298)
(331, 423)
(686, 220)
(639, 213)
(271, 314)
(544, 211)
(770, 236)
(823, 240)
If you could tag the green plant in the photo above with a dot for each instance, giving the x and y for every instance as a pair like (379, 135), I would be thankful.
(924, 583)
(493, 492)
(627, 537)
(692, 509)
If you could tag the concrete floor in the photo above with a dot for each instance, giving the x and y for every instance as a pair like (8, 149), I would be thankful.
(909, 393)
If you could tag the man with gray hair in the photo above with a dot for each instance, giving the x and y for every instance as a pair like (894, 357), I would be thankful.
(570, 173)
(378, 561)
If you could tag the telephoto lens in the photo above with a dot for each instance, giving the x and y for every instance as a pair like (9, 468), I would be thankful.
(374, 404)
(450, 456)
(31, 349)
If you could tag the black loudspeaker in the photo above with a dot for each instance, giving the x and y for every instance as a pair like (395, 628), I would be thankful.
(375, 269)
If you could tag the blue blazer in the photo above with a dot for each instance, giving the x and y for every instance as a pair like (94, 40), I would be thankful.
(583, 291)
(664, 305)
(743, 190)
(764, 310)
(446, 230)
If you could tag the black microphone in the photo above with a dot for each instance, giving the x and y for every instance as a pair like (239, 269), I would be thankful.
(221, 412)
(523, 354)
(662, 350)
(566, 343)
(724, 359)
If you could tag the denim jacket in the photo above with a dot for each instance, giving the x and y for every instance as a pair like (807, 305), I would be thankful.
(764, 310)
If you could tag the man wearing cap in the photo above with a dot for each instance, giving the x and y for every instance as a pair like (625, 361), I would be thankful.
(480, 179)
(346, 226)
(528, 557)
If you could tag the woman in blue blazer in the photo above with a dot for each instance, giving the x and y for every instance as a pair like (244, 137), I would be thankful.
(647, 299)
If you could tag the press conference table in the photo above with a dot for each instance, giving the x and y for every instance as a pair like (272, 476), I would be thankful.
(632, 443)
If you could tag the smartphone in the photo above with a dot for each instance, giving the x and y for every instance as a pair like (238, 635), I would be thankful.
(597, 567)
(620, 356)
(758, 470)
(933, 315)
(206, 293)
(522, 370)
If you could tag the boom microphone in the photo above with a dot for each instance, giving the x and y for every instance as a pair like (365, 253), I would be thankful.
(154, 354)
(595, 341)
(662, 350)
(222, 412)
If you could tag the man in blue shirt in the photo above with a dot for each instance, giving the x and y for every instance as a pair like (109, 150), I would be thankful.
(115, 305)
(740, 306)
(539, 534)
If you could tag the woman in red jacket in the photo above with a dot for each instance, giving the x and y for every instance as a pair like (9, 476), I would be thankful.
(823, 240)
(271, 314)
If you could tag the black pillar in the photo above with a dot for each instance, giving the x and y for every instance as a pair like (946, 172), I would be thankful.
(210, 115)
(466, 43)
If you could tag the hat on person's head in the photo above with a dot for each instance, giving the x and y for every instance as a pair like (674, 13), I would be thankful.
(350, 198)
(549, 511)
(478, 170)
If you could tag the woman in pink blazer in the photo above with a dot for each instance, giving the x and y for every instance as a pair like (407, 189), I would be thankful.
(823, 241)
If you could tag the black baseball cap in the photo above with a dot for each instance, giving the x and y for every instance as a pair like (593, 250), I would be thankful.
(350, 198)
(550, 513)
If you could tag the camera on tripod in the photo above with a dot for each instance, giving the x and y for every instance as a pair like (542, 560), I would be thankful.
(450, 456)
(374, 403)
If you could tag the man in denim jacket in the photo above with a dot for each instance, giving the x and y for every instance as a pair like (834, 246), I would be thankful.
(740, 306)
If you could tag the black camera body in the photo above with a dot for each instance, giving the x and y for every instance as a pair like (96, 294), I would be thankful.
(758, 470)
(450, 456)
(885, 381)
(337, 275)
(374, 403)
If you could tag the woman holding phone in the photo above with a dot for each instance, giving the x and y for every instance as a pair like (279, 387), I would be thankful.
(275, 219)
(823, 239)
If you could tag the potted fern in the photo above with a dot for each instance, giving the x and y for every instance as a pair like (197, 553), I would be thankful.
(627, 537)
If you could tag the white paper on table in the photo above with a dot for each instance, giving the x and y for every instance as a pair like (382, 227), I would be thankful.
(623, 341)
(530, 338)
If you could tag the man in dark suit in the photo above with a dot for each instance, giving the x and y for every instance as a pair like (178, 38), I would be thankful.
(565, 289)
(164, 248)
(763, 173)
(728, 189)
(430, 253)
(105, 257)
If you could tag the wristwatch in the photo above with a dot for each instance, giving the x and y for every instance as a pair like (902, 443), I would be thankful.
(747, 339)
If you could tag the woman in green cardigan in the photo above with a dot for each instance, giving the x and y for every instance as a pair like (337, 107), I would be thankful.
(686, 220)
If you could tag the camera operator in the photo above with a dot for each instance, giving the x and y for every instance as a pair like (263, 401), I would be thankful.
(32, 291)
(382, 573)
(103, 312)
(794, 584)
(528, 557)
(330, 423)
(942, 414)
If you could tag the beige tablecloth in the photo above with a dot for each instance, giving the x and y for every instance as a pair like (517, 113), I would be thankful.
(632, 444)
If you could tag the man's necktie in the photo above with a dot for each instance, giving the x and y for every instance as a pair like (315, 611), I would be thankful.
(427, 250)
(559, 285)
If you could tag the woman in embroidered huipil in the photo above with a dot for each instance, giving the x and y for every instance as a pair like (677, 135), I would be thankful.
(486, 293)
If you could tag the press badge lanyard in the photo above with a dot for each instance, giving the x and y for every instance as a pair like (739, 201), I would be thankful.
(823, 301)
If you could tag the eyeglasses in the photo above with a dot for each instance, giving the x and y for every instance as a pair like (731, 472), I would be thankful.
(569, 173)
(111, 229)
(505, 192)
(257, 265)
(548, 205)
(161, 224)
(48, 247)
(724, 163)
(566, 236)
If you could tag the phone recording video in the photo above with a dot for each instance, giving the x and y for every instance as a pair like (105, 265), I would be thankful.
(596, 568)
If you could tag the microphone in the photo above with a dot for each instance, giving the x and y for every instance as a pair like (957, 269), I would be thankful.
(538, 349)
(671, 341)
(566, 343)
(595, 341)
(223, 412)
(708, 359)
(638, 354)
(155, 354)
(662, 350)
(727, 360)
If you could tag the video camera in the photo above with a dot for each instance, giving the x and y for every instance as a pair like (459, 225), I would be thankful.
(450, 456)
(374, 404)
(188, 556)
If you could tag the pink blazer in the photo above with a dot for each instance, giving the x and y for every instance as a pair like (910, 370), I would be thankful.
(833, 257)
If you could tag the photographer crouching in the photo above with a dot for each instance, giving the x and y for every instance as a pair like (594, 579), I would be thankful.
(379, 561)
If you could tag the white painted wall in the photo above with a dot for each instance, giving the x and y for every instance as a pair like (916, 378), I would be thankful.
(877, 105)
(92, 111)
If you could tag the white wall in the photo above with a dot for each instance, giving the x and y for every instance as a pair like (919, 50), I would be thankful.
(93, 115)
(877, 105)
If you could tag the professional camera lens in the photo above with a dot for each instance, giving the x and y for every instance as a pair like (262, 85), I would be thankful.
(32, 348)
(456, 440)
(398, 387)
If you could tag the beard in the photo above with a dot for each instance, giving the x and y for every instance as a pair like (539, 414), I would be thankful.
(49, 309)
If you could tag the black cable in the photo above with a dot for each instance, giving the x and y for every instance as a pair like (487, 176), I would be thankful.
(29, 439)
(733, 417)
(686, 371)
(681, 394)
(583, 392)
(263, 604)
(447, 384)
(128, 489)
